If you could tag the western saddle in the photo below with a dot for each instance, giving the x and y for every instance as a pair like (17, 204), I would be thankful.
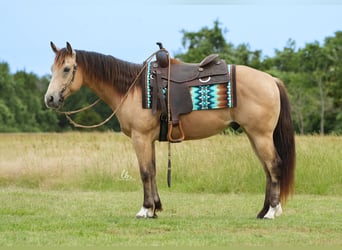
(175, 77)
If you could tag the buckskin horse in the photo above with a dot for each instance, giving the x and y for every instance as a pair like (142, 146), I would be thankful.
(263, 112)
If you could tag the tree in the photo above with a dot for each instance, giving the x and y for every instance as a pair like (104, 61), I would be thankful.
(7, 92)
(6, 118)
(313, 61)
(203, 43)
(333, 53)
(209, 41)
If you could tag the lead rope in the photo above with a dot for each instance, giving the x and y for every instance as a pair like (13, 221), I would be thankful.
(75, 124)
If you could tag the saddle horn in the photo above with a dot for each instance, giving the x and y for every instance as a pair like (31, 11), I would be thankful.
(160, 45)
(162, 56)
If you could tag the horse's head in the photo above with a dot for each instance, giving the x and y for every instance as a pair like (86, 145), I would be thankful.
(65, 80)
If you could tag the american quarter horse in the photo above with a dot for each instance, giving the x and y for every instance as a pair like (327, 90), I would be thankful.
(263, 112)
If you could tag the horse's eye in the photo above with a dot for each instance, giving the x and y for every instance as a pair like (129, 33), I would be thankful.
(66, 70)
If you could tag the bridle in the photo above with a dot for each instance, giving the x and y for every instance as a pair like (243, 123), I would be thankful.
(71, 81)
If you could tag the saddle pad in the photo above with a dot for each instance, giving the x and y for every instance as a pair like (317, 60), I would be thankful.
(204, 97)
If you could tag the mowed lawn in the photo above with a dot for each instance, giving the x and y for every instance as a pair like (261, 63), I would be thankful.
(84, 189)
(102, 218)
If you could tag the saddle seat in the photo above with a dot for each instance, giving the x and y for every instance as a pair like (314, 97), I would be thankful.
(208, 71)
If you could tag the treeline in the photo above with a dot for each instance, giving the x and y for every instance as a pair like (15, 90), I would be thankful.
(312, 75)
(21, 106)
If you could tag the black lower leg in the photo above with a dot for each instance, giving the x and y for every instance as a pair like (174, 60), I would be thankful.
(266, 206)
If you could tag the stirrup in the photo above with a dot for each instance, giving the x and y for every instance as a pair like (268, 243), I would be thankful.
(169, 133)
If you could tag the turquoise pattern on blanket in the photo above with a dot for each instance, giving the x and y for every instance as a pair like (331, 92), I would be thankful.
(204, 97)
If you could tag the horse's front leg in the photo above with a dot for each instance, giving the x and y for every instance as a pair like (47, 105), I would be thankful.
(145, 151)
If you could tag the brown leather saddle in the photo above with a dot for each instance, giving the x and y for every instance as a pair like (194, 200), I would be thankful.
(176, 78)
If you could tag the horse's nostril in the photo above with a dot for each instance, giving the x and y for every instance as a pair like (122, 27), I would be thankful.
(50, 100)
(61, 98)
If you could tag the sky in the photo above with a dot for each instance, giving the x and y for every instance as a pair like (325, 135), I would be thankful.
(129, 29)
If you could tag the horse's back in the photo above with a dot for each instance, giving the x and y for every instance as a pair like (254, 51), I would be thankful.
(257, 102)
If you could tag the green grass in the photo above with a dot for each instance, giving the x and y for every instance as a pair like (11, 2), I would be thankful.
(98, 218)
(84, 189)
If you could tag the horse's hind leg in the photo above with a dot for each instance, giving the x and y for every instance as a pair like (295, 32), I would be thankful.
(264, 148)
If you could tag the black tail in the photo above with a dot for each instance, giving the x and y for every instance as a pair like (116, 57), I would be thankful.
(284, 142)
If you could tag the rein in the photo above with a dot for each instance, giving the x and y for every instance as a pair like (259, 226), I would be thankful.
(68, 113)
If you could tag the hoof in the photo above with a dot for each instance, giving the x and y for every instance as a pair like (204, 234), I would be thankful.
(273, 212)
(145, 213)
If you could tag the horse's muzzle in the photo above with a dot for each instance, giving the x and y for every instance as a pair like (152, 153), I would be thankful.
(54, 101)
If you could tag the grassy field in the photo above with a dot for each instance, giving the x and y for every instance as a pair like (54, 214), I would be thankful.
(83, 189)
(106, 161)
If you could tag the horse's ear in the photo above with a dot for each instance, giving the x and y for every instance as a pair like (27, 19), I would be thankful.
(53, 47)
(70, 49)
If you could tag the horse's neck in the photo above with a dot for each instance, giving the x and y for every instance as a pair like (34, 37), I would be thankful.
(109, 77)
(108, 92)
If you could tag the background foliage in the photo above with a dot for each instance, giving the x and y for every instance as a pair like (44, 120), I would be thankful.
(312, 75)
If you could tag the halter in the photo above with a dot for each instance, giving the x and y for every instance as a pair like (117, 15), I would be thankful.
(69, 83)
